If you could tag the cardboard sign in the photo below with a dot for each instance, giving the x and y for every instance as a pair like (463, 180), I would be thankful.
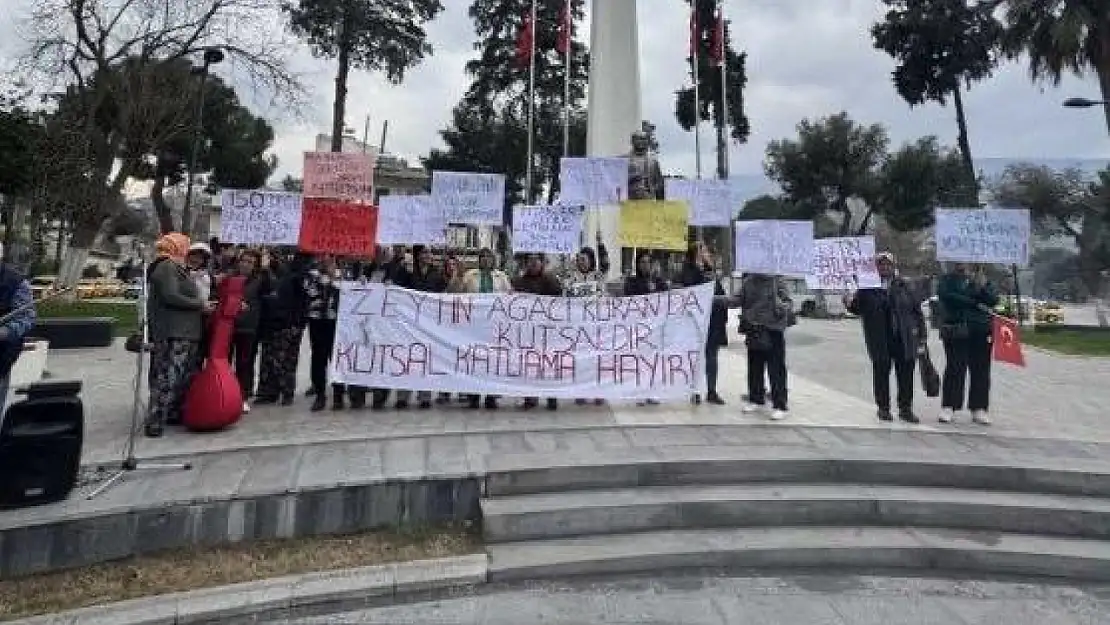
(411, 220)
(774, 247)
(983, 235)
(522, 345)
(547, 229)
(844, 264)
(711, 201)
(593, 181)
(260, 217)
(339, 175)
(337, 227)
(467, 198)
(654, 225)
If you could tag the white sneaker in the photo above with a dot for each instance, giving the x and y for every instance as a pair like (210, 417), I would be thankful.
(946, 415)
(752, 408)
(778, 415)
(246, 407)
(980, 417)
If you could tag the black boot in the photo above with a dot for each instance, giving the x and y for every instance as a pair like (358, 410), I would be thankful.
(319, 402)
(552, 404)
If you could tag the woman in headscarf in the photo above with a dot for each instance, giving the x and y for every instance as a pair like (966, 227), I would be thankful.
(175, 313)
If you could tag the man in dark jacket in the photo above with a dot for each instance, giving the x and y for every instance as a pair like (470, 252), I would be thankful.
(894, 331)
(537, 281)
(17, 301)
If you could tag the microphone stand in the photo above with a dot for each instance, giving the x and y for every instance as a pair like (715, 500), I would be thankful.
(129, 463)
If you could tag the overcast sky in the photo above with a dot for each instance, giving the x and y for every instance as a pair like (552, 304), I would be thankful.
(805, 59)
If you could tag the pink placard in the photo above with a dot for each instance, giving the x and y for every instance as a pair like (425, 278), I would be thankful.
(339, 175)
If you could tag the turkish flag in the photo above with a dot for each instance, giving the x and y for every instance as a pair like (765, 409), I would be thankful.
(694, 35)
(566, 25)
(1006, 336)
(525, 41)
(717, 51)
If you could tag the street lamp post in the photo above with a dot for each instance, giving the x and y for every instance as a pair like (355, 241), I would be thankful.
(1083, 103)
(212, 56)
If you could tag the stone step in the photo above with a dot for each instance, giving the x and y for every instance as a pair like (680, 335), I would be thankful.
(852, 548)
(619, 511)
(709, 465)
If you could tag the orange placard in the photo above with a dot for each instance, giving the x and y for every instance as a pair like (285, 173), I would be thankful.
(338, 227)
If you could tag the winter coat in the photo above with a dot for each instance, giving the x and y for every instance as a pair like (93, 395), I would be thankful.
(891, 317)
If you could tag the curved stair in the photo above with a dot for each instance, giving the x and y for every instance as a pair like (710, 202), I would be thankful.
(741, 507)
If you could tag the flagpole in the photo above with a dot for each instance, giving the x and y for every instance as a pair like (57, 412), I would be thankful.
(531, 105)
(567, 39)
(724, 91)
(696, 40)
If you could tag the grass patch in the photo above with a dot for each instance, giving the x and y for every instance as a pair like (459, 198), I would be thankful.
(125, 313)
(1073, 342)
(176, 571)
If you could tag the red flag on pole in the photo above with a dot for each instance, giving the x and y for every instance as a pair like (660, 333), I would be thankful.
(694, 33)
(717, 53)
(566, 22)
(1006, 336)
(524, 41)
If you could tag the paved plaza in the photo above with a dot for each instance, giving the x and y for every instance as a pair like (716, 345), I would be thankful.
(1054, 397)
(722, 600)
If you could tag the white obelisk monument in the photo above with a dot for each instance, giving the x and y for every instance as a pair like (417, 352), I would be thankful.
(614, 99)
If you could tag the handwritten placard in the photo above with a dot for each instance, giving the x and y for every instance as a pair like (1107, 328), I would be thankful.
(411, 220)
(339, 175)
(593, 181)
(468, 198)
(547, 229)
(338, 227)
(712, 202)
(844, 264)
(260, 217)
(983, 235)
(654, 225)
(523, 345)
(774, 247)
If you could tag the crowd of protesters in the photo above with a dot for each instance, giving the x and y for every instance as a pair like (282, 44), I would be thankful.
(288, 294)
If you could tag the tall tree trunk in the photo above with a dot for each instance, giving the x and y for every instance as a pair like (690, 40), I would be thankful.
(1103, 70)
(161, 208)
(342, 73)
(964, 141)
(60, 242)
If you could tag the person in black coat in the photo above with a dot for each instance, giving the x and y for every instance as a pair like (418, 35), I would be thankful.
(894, 332)
(698, 269)
(644, 282)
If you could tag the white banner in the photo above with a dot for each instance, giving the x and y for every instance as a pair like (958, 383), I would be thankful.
(467, 198)
(522, 345)
(774, 247)
(593, 181)
(711, 201)
(983, 235)
(547, 229)
(844, 264)
(260, 217)
(411, 220)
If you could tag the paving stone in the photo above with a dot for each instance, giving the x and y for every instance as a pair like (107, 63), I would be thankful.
(422, 575)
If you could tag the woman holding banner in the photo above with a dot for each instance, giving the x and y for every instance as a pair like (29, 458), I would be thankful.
(485, 279)
(698, 268)
(537, 281)
(965, 329)
(644, 281)
(584, 280)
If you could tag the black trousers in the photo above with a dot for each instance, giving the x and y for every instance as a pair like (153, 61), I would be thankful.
(244, 351)
(772, 363)
(321, 339)
(903, 375)
(967, 360)
(712, 367)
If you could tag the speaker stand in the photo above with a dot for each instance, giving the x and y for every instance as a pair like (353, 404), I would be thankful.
(130, 464)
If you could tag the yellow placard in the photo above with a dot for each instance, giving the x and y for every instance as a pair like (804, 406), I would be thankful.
(654, 225)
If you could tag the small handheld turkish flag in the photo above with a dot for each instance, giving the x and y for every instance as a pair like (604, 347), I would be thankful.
(1006, 337)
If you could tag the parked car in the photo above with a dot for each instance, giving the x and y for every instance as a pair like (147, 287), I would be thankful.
(1048, 313)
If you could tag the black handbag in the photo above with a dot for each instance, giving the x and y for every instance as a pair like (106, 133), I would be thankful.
(930, 378)
(758, 339)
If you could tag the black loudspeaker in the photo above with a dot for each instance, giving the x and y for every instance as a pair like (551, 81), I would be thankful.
(40, 444)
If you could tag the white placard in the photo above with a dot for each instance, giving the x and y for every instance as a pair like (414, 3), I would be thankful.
(711, 201)
(593, 181)
(547, 229)
(844, 264)
(469, 198)
(774, 247)
(260, 217)
(983, 235)
(411, 220)
(523, 345)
